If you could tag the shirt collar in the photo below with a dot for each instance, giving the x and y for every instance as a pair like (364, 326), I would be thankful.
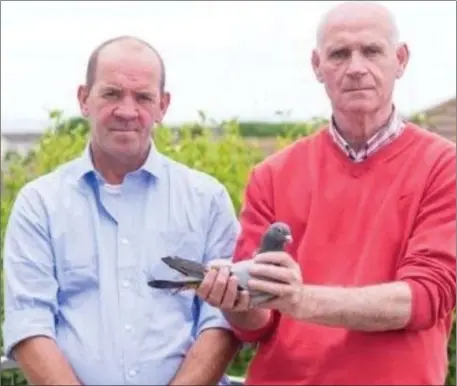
(389, 131)
(153, 165)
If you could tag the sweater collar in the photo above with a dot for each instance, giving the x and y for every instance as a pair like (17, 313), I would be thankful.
(382, 137)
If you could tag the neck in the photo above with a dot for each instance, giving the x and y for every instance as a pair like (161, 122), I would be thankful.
(357, 128)
(113, 168)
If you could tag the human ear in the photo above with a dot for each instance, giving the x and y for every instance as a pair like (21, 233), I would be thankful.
(83, 94)
(402, 59)
(315, 63)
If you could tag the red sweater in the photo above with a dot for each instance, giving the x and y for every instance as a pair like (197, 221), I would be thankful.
(391, 217)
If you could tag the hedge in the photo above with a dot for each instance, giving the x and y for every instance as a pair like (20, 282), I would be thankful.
(227, 155)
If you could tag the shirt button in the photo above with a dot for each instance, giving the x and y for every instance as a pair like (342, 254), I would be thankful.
(128, 327)
(124, 241)
(125, 283)
(132, 373)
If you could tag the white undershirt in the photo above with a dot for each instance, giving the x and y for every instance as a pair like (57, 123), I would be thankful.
(112, 189)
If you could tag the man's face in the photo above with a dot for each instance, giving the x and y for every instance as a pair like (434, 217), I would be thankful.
(125, 101)
(358, 62)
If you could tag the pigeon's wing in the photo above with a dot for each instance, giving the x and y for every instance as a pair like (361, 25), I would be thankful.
(186, 267)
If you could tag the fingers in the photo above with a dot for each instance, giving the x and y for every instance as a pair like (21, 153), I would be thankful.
(219, 263)
(230, 295)
(215, 285)
(243, 302)
(277, 289)
(273, 272)
(220, 289)
(207, 283)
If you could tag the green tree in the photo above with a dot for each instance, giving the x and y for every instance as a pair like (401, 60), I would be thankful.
(224, 153)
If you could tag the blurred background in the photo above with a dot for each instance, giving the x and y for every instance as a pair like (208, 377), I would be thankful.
(245, 60)
(239, 74)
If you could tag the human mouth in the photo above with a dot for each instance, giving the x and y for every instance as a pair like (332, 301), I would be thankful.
(117, 130)
(357, 89)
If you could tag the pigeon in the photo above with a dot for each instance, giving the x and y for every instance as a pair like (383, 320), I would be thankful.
(274, 239)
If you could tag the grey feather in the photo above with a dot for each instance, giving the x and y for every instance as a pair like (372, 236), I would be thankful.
(274, 240)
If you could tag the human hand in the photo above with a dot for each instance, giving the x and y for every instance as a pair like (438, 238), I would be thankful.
(220, 289)
(277, 273)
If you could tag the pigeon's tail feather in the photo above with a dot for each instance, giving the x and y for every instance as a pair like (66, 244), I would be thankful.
(178, 284)
(186, 267)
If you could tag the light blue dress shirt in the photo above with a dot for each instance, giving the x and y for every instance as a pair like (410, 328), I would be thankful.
(78, 255)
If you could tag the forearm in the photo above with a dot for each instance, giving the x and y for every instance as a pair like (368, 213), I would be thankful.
(43, 363)
(208, 359)
(380, 307)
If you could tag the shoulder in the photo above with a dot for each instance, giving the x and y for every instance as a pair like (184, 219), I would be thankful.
(430, 139)
(298, 152)
(434, 148)
(49, 187)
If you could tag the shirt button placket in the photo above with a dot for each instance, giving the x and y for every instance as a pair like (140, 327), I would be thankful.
(124, 266)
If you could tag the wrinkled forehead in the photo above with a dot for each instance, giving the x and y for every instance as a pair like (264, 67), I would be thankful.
(354, 36)
(128, 68)
(356, 29)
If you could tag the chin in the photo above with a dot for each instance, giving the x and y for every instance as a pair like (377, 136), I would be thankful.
(360, 106)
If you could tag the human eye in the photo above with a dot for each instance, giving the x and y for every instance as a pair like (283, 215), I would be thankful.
(339, 53)
(372, 50)
(145, 97)
(111, 93)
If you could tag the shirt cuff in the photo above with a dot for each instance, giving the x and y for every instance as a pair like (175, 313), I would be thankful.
(211, 317)
(420, 306)
(262, 333)
(23, 324)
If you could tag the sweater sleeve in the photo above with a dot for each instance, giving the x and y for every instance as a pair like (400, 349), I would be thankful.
(256, 213)
(430, 261)
(255, 216)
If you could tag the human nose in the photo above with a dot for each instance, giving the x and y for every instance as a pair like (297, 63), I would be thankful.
(357, 65)
(126, 109)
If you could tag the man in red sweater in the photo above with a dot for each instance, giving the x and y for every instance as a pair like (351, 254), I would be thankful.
(368, 284)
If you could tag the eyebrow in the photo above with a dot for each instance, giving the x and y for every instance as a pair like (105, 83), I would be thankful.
(345, 46)
(107, 87)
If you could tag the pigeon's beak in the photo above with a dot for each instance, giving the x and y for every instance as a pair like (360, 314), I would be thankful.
(289, 239)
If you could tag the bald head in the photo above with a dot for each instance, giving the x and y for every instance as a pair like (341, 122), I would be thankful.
(358, 59)
(123, 44)
(356, 12)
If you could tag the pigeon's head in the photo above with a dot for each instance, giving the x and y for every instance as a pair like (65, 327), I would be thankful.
(280, 231)
(276, 237)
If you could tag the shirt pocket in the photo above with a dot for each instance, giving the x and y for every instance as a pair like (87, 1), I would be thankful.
(76, 257)
(175, 243)
(181, 243)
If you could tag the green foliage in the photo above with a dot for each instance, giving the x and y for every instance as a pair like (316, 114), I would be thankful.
(263, 129)
(219, 149)
(451, 374)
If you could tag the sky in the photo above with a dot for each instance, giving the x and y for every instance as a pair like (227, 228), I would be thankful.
(242, 60)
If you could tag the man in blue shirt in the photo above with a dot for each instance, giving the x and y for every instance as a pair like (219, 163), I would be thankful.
(83, 241)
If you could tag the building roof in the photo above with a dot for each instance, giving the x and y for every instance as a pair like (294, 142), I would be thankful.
(441, 118)
(21, 136)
